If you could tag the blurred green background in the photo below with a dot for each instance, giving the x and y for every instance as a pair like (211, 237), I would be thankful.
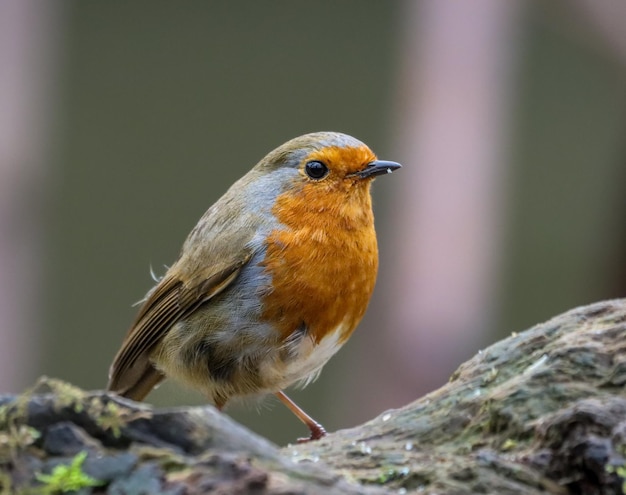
(157, 107)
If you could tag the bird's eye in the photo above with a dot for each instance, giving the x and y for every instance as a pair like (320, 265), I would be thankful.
(316, 170)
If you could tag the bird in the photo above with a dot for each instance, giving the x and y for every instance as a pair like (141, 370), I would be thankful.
(269, 284)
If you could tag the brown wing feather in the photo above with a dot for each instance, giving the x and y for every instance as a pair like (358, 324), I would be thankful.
(132, 373)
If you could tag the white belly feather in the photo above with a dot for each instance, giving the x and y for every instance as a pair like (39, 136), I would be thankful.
(308, 359)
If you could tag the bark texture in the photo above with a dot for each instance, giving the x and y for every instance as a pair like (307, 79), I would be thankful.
(543, 411)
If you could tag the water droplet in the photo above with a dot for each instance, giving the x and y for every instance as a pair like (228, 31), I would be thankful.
(536, 365)
(365, 449)
(386, 417)
(408, 446)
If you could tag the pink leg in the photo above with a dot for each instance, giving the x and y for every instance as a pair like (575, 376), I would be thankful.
(317, 430)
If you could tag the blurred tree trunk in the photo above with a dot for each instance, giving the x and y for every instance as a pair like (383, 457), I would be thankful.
(454, 99)
(28, 36)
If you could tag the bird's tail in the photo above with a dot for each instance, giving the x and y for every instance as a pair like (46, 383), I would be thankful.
(139, 388)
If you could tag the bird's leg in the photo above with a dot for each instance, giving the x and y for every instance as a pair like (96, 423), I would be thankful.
(317, 430)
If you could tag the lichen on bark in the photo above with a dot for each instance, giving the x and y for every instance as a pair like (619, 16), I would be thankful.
(543, 411)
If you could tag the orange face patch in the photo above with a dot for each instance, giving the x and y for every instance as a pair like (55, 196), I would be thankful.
(343, 161)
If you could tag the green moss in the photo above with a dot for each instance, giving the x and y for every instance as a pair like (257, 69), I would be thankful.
(388, 475)
(509, 444)
(67, 478)
(15, 437)
(6, 484)
(15, 434)
(619, 471)
(108, 416)
(66, 395)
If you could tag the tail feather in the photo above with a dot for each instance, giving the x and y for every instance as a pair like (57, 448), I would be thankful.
(139, 388)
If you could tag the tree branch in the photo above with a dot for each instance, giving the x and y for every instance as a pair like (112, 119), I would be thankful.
(543, 411)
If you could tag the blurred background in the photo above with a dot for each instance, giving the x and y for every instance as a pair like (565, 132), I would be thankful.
(122, 122)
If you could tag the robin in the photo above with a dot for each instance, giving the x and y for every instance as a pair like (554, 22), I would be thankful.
(269, 284)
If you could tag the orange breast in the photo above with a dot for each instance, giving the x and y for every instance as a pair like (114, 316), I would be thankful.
(323, 263)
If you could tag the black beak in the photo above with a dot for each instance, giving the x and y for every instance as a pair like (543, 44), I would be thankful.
(377, 167)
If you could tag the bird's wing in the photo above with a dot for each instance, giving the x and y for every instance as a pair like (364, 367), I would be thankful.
(132, 374)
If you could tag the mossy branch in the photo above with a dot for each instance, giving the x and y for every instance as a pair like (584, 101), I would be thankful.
(543, 411)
